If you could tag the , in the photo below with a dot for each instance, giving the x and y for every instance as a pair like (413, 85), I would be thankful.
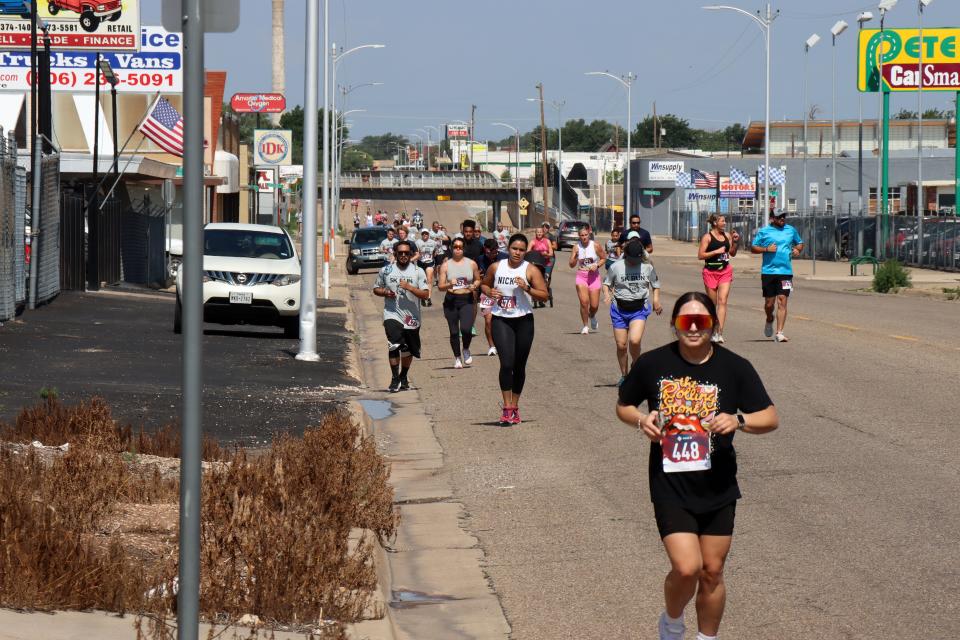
(251, 275)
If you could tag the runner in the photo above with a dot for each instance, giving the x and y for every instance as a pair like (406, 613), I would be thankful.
(473, 242)
(491, 255)
(460, 278)
(697, 394)
(631, 281)
(551, 237)
(473, 249)
(426, 249)
(642, 233)
(716, 249)
(613, 248)
(387, 245)
(542, 245)
(502, 236)
(403, 235)
(511, 283)
(369, 219)
(356, 220)
(400, 285)
(435, 230)
(443, 246)
(439, 235)
(779, 243)
(586, 257)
